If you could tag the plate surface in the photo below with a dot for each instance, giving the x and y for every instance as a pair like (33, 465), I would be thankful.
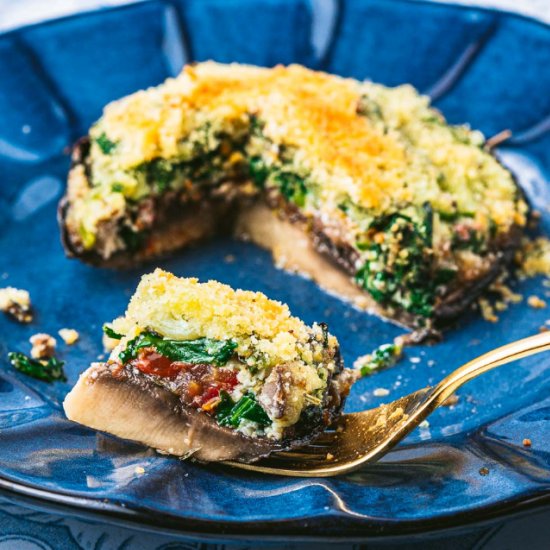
(484, 67)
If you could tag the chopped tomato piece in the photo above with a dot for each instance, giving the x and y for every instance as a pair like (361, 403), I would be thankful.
(151, 362)
(201, 383)
(227, 378)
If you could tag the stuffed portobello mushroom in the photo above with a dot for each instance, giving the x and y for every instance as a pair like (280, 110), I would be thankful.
(365, 188)
(202, 370)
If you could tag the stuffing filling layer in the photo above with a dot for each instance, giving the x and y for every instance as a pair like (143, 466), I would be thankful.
(416, 206)
(233, 355)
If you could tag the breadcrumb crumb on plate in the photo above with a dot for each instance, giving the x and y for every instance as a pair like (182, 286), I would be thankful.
(487, 311)
(43, 345)
(534, 257)
(536, 302)
(16, 302)
(69, 335)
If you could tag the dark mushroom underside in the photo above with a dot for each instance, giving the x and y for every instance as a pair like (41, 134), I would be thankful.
(133, 407)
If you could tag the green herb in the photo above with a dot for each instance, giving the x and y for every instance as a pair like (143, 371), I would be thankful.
(427, 225)
(445, 275)
(256, 126)
(369, 108)
(49, 371)
(324, 329)
(397, 269)
(202, 350)
(105, 144)
(361, 216)
(134, 240)
(453, 216)
(434, 118)
(232, 414)
(292, 187)
(225, 406)
(159, 174)
(382, 357)
(117, 188)
(420, 301)
(111, 333)
(258, 171)
(493, 229)
(461, 134)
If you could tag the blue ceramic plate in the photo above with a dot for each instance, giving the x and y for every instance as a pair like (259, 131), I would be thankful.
(484, 67)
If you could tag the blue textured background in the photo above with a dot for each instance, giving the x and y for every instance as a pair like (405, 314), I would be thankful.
(488, 68)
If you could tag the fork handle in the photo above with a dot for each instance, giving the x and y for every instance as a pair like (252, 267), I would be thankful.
(490, 360)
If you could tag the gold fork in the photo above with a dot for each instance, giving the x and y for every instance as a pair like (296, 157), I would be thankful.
(362, 437)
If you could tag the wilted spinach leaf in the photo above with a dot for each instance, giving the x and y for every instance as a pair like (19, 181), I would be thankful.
(232, 414)
(49, 371)
(201, 350)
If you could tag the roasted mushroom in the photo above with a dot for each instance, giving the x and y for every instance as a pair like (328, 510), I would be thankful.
(206, 371)
(365, 188)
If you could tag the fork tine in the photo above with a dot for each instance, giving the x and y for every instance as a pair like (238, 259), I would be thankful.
(302, 454)
(292, 461)
(308, 450)
(326, 438)
(313, 449)
(354, 440)
(327, 443)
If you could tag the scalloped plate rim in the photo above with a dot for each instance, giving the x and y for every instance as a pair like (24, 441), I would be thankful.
(215, 530)
(116, 514)
(435, 3)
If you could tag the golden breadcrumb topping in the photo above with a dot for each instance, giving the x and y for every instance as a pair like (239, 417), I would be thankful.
(407, 154)
(313, 111)
(210, 309)
(419, 204)
(186, 309)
